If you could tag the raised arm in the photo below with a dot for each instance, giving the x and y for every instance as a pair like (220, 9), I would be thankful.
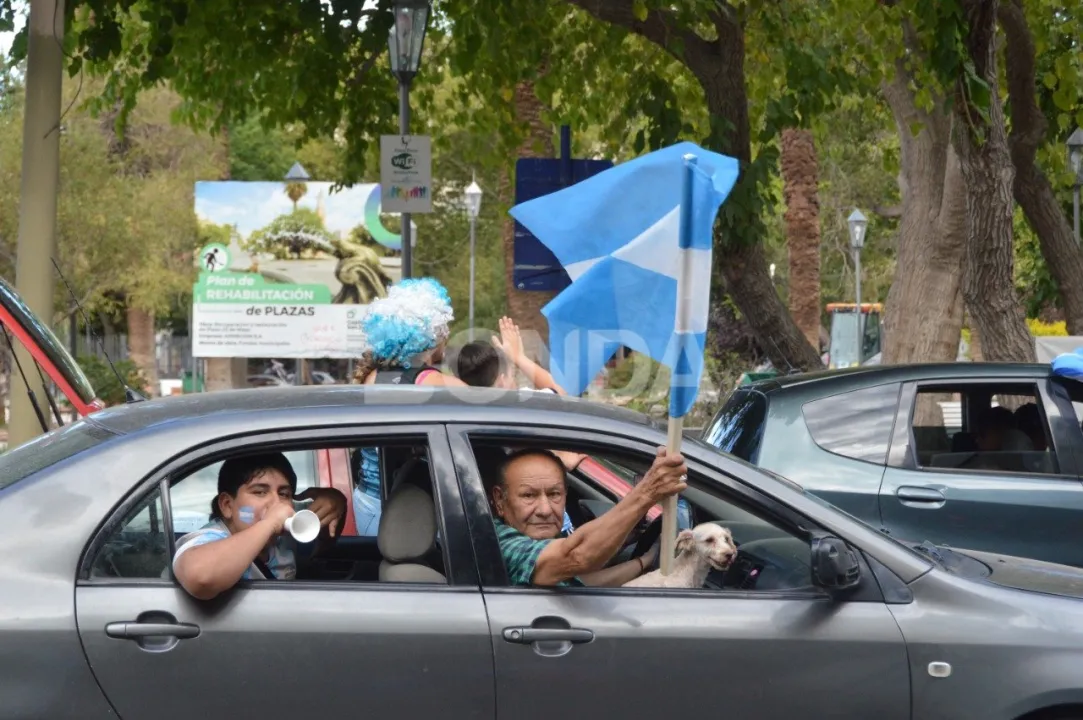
(510, 343)
(209, 569)
(595, 543)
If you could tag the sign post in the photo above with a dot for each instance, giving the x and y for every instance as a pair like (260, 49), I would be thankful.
(406, 183)
(243, 315)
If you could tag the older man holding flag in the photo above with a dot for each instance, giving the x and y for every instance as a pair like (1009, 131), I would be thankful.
(636, 241)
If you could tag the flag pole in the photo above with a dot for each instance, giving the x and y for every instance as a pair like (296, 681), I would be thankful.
(676, 424)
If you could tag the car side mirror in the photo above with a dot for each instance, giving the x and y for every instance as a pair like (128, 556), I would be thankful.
(835, 566)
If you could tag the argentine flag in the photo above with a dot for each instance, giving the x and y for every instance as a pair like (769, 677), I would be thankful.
(636, 242)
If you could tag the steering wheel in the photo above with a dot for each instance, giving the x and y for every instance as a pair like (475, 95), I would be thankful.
(648, 537)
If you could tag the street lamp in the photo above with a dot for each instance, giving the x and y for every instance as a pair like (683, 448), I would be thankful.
(1075, 161)
(411, 18)
(472, 197)
(297, 173)
(858, 225)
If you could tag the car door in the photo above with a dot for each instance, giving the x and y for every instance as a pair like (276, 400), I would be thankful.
(642, 653)
(931, 491)
(284, 649)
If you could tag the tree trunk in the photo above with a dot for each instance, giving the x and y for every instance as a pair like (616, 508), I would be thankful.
(524, 307)
(1032, 189)
(719, 67)
(982, 146)
(924, 314)
(142, 346)
(34, 278)
(800, 176)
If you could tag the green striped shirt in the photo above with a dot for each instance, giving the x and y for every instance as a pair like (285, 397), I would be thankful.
(521, 555)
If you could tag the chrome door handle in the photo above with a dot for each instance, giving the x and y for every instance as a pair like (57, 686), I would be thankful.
(531, 635)
(919, 494)
(133, 630)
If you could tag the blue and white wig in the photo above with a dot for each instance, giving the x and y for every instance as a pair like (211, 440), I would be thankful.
(413, 319)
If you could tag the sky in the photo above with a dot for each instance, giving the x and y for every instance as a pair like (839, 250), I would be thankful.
(253, 205)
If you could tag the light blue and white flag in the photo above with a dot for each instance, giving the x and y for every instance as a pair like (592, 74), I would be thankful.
(636, 242)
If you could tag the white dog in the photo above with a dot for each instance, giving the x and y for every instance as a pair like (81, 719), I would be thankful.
(700, 549)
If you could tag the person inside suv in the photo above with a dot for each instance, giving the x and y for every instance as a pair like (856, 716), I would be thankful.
(246, 537)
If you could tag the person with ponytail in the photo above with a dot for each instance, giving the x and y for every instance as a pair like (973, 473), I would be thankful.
(405, 333)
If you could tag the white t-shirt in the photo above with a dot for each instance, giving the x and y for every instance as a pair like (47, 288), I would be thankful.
(281, 561)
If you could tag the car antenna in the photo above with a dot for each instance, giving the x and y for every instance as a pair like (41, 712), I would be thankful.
(790, 369)
(29, 390)
(130, 394)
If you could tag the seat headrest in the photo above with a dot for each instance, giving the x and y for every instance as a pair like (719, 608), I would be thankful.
(407, 524)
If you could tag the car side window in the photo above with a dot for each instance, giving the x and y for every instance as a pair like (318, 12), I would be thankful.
(136, 546)
(771, 558)
(855, 424)
(190, 499)
(982, 427)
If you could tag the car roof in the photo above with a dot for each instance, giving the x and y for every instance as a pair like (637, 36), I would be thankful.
(404, 404)
(865, 376)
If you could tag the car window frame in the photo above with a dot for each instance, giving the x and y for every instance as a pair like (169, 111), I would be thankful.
(903, 451)
(451, 516)
(493, 574)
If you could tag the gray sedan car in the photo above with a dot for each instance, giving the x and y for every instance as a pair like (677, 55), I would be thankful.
(819, 616)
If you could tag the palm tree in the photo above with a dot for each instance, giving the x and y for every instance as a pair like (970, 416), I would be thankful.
(800, 175)
(295, 191)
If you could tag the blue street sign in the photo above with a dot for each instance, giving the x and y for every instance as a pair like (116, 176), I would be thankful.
(536, 268)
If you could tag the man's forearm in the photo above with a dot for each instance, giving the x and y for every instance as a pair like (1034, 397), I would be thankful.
(210, 569)
(538, 376)
(613, 576)
(595, 543)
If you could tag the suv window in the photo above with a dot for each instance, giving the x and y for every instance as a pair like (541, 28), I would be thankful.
(855, 424)
(49, 449)
(983, 427)
(738, 427)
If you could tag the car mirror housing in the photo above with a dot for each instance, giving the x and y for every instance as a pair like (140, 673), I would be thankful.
(835, 566)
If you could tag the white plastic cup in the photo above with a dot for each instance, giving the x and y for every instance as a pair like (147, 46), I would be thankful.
(304, 526)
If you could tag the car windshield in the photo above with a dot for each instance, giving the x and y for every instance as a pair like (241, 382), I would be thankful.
(737, 429)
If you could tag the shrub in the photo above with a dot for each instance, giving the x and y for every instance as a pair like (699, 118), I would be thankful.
(104, 380)
(1043, 329)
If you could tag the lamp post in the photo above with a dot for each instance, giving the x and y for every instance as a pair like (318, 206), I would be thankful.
(297, 173)
(858, 225)
(411, 18)
(472, 197)
(1075, 161)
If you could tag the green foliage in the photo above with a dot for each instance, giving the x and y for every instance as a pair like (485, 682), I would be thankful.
(126, 230)
(292, 235)
(105, 381)
(1034, 284)
(1043, 329)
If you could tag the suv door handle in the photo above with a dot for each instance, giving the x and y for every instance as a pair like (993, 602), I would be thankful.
(133, 630)
(531, 635)
(919, 494)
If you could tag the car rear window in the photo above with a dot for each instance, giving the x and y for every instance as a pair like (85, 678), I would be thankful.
(854, 424)
(49, 449)
(738, 427)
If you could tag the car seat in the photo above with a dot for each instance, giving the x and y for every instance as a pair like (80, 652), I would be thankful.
(407, 535)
